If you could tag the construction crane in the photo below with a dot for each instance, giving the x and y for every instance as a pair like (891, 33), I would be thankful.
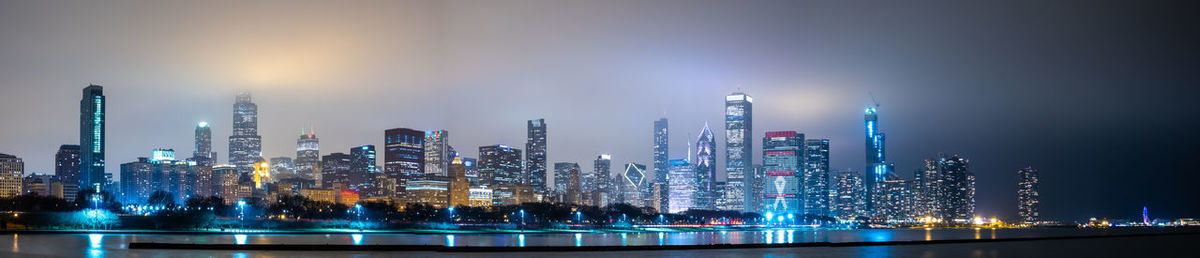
(873, 99)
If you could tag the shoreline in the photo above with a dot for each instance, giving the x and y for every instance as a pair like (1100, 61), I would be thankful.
(506, 249)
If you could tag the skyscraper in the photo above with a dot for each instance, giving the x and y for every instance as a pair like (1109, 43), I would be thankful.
(245, 145)
(472, 170)
(459, 186)
(607, 190)
(66, 164)
(404, 156)
(706, 171)
(739, 142)
(816, 177)
(362, 169)
(783, 163)
(562, 176)
(499, 165)
(282, 168)
(203, 153)
(682, 186)
(633, 185)
(948, 189)
(91, 137)
(661, 163)
(308, 154)
(849, 203)
(436, 150)
(137, 181)
(12, 174)
(535, 162)
(1027, 194)
(335, 171)
(877, 168)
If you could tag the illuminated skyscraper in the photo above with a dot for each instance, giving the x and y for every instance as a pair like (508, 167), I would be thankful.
(362, 169)
(739, 143)
(783, 163)
(459, 186)
(91, 137)
(12, 174)
(948, 189)
(605, 185)
(877, 168)
(535, 162)
(816, 177)
(472, 170)
(562, 176)
(245, 145)
(661, 163)
(203, 153)
(893, 201)
(137, 181)
(633, 185)
(850, 201)
(336, 170)
(706, 171)
(499, 165)
(66, 164)
(682, 186)
(436, 149)
(282, 168)
(308, 154)
(1027, 194)
(403, 156)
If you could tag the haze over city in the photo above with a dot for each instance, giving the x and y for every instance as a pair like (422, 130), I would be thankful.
(1099, 102)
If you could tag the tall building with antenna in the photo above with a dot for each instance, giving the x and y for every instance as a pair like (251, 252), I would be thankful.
(308, 154)
(245, 145)
(876, 167)
(706, 171)
(739, 146)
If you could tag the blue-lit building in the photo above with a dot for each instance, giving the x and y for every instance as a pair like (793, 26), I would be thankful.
(707, 189)
(245, 145)
(362, 168)
(137, 181)
(91, 137)
(816, 177)
(877, 168)
(403, 156)
(783, 163)
(739, 152)
(682, 180)
(661, 166)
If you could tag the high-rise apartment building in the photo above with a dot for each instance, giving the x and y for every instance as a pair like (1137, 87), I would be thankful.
(12, 175)
(816, 177)
(535, 161)
(66, 164)
(1027, 195)
(91, 137)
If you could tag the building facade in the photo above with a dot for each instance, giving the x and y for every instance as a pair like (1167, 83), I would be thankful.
(1027, 195)
(633, 185)
(403, 156)
(783, 164)
(245, 145)
(816, 177)
(707, 190)
(91, 137)
(362, 169)
(66, 164)
(499, 165)
(12, 175)
(535, 162)
(661, 161)
(308, 156)
(850, 200)
(203, 153)
(876, 169)
(436, 150)
(739, 143)
(682, 186)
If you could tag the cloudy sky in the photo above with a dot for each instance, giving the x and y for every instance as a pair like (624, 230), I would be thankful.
(1099, 96)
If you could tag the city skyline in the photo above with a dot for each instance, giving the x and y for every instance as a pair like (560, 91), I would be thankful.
(832, 105)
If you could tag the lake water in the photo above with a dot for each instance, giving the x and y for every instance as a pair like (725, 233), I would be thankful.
(115, 245)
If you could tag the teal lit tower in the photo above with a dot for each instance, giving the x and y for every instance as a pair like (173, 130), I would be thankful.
(876, 170)
(91, 137)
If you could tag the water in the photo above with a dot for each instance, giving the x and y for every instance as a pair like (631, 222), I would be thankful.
(100, 245)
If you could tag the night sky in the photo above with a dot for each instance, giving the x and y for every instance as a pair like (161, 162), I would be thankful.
(1099, 96)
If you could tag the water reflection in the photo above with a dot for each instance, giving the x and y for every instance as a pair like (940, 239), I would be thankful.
(16, 247)
(928, 234)
(623, 241)
(521, 240)
(95, 242)
(239, 239)
(357, 238)
(578, 239)
(450, 240)
(661, 238)
(976, 233)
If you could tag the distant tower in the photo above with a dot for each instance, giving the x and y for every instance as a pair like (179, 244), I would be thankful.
(1027, 194)
(1146, 215)
(602, 167)
(876, 170)
(783, 165)
(203, 154)
(308, 154)
(739, 149)
(436, 148)
(403, 156)
(661, 166)
(245, 145)
(706, 171)
(535, 162)
(91, 137)
(816, 177)
(362, 168)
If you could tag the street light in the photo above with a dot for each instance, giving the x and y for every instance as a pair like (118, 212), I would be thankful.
(451, 209)
(522, 220)
(242, 212)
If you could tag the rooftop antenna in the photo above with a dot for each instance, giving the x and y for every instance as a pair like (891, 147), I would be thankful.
(876, 101)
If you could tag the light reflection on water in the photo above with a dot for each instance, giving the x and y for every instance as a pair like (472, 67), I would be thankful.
(92, 245)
